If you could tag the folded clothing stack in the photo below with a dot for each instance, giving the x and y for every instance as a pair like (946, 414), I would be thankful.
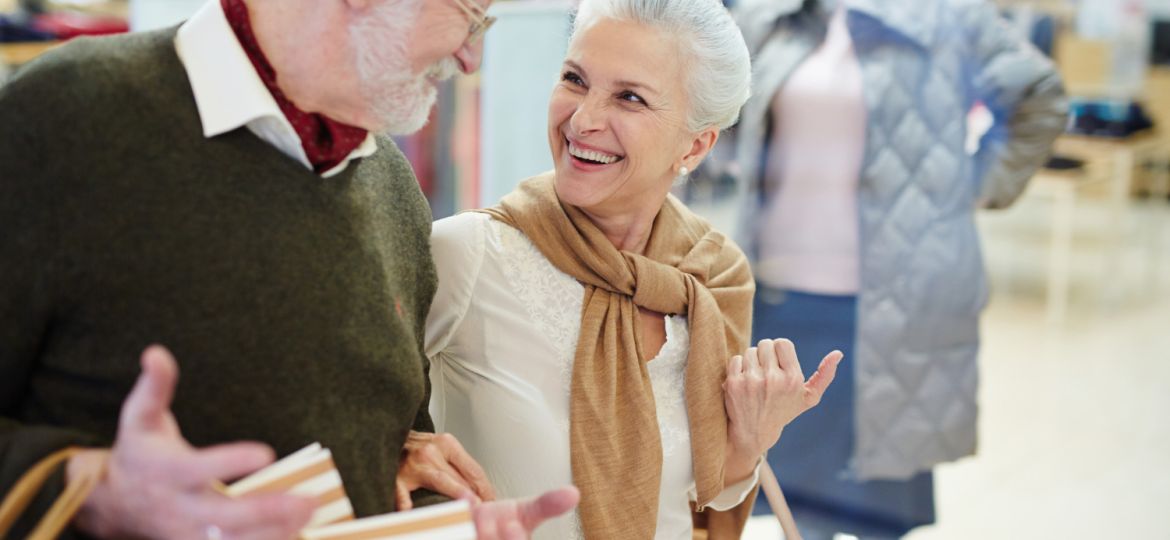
(1104, 118)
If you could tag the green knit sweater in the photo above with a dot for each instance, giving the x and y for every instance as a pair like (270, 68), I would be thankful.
(294, 304)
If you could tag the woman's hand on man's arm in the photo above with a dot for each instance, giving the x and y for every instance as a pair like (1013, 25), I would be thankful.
(439, 463)
(765, 389)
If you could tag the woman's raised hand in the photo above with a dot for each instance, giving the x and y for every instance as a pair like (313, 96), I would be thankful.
(765, 389)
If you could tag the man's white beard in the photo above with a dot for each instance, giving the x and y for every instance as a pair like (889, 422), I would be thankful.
(402, 106)
(400, 101)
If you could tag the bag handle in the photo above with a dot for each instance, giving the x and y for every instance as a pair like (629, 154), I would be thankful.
(89, 469)
(771, 487)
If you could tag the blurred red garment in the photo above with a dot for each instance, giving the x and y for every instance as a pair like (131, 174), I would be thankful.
(70, 24)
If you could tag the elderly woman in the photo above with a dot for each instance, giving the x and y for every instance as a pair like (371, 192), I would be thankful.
(583, 328)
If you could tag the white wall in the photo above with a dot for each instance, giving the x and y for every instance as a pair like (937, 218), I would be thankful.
(151, 14)
(521, 61)
(1159, 8)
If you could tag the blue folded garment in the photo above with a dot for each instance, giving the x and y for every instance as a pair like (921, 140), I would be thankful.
(14, 28)
(1105, 118)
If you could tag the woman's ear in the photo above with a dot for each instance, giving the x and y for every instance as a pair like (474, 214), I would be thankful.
(701, 145)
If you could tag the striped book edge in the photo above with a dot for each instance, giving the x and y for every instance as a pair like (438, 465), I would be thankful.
(447, 521)
(308, 472)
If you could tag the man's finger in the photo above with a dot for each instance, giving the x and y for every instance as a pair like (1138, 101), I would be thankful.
(149, 401)
(786, 353)
(485, 521)
(261, 533)
(820, 381)
(225, 462)
(402, 495)
(533, 512)
(278, 512)
(513, 531)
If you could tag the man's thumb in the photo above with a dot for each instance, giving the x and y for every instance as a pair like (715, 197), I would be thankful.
(150, 399)
(549, 505)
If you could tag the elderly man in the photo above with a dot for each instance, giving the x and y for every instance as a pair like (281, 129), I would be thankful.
(219, 188)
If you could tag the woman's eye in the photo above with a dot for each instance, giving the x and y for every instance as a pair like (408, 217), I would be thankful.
(573, 78)
(631, 97)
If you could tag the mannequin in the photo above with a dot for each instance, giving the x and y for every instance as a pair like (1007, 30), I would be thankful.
(859, 203)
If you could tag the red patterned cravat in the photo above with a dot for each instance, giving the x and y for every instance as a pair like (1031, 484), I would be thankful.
(326, 141)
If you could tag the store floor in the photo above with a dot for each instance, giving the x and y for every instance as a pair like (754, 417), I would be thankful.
(1075, 417)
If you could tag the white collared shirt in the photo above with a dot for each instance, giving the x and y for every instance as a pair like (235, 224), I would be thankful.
(229, 93)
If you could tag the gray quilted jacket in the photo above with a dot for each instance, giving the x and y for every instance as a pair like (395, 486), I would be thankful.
(924, 64)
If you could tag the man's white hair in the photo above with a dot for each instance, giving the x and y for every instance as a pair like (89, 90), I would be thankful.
(717, 64)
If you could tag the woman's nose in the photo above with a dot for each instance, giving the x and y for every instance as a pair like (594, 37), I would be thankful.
(588, 117)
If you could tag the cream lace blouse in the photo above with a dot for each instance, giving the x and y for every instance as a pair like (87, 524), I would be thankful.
(501, 338)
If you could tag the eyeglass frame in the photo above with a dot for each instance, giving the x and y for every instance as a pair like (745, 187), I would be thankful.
(480, 20)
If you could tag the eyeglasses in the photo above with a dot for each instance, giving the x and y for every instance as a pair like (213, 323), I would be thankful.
(480, 21)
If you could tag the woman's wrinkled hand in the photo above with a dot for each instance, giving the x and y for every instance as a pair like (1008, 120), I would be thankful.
(765, 389)
(439, 463)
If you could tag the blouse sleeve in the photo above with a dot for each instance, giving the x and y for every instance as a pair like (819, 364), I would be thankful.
(734, 494)
(457, 245)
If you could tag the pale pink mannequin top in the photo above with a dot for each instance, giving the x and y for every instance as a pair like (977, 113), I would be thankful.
(808, 230)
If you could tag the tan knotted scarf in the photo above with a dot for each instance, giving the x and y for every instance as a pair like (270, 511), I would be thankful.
(687, 268)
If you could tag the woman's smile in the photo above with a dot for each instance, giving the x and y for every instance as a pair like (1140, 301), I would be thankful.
(587, 158)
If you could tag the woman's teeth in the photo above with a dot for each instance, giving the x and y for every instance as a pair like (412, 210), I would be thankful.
(592, 155)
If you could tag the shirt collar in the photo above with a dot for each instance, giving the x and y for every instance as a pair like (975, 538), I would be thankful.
(228, 92)
(367, 148)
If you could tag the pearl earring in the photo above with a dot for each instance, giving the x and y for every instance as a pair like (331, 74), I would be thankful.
(682, 171)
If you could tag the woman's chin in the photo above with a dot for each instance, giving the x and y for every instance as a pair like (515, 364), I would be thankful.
(574, 188)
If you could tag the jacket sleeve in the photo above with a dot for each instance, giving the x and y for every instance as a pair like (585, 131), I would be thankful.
(1024, 94)
(27, 295)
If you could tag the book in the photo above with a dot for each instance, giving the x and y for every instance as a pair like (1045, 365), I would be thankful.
(311, 472)
(447, 521)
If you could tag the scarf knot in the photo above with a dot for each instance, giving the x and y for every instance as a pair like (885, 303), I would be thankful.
(659, 287)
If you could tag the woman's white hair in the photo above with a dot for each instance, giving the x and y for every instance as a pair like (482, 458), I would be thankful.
(716, 60)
